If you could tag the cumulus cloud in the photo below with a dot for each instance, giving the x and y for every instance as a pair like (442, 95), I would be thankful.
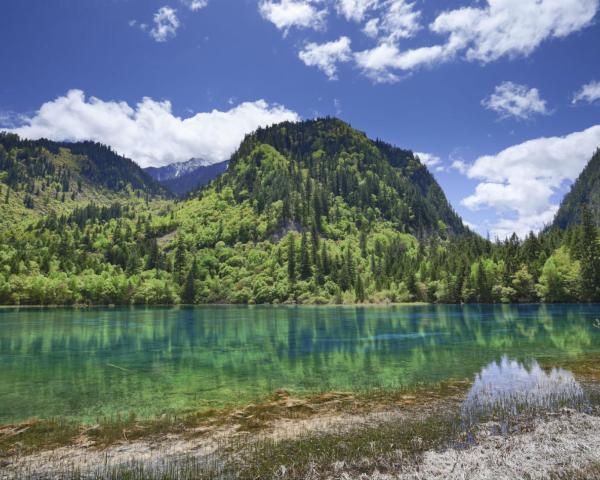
(513, 100)
(520, 181)
(429, 159)
(398, 20)
(380, 62)
(589, 93)
(149, 133)
(483, 33)
(326, 56)
(195, 5)
(285, 14)
(513, 27)
(166, 24)
(355, 10)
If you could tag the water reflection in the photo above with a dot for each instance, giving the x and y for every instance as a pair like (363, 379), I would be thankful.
(94, 362)
(508, 388)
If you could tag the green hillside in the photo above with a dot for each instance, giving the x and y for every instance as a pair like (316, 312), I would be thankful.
(310, 212)
(40, 177)
(585, 191)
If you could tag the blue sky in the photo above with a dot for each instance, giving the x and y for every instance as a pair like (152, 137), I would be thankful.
(501, 96)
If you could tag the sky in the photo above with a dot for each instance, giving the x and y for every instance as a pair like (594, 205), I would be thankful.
(500, 98)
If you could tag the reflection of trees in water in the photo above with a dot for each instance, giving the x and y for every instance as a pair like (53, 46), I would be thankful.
(506, 389)
(236, 353)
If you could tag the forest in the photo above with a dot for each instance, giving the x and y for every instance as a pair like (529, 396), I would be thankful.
(307, 213)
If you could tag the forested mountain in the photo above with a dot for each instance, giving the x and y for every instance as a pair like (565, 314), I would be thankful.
(301, 168)
(310, 212)
(181, 178)
(41, 176)
(585, 191)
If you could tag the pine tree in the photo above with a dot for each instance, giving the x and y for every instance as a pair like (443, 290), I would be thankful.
(590, 258)
(291, 254)
(154, 256)
(179, 261)
(189, 290)
(359, 289)
(305, 271)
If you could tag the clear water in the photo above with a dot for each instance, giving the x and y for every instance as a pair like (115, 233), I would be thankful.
(84, 364)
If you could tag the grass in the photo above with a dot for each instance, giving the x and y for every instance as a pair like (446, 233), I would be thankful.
(386, 446)
(384, 443)
(36, 435)
(383, 447)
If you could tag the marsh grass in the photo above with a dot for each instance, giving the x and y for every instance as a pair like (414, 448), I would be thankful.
(37, 435)
(386, 446)
(384, 443)
(42, 434)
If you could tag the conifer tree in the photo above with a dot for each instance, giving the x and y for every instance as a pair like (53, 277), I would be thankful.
(291, 258)
(359, 289)
(305, 271)
(189, 290)
(590, 258)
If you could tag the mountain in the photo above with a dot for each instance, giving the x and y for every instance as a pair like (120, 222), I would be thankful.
(314, 167)
(308, 212)
(42, 175)
(182, 177)
(585, 191)
(175, 170)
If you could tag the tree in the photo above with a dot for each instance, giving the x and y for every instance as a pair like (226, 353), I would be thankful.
(305, 271)
(590, 258)
(524, 285)
(359, 288)
(291, 258)
(189, 290)
(179, 260)
(559, 281)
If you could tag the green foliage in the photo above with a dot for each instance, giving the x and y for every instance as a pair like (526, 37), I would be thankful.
(313, 212)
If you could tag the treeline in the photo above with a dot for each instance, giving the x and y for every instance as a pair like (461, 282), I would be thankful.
(113, 254)
(310, 212)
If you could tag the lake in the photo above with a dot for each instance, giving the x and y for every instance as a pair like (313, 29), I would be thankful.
(88, 363)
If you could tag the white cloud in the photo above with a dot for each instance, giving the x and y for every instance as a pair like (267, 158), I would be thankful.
(326, 56)
(399, 20)
(355, 10)
(513, 27)
(149, 133)
(166, 24)
(378, 63)
(513, 100)
(519, 182)
(460, 166)
(371, 28)
(195, 5)
(590, 92)
(428, 159)
(285, 14)
(483, 33)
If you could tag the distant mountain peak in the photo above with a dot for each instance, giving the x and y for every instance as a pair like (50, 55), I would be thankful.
(182, 177)
(176, 169)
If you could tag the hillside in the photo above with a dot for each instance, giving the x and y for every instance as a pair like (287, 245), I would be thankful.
(181, 178)
(304, 169)
(585, 191)
(310, 212)
(38, 177)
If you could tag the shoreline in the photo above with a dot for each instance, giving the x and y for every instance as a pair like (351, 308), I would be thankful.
(285, 305)
(331, 435)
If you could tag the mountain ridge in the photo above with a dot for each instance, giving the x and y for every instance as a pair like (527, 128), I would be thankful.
(584, 191)
(183, 177)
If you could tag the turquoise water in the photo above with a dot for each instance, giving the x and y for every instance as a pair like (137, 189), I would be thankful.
(89, 363)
